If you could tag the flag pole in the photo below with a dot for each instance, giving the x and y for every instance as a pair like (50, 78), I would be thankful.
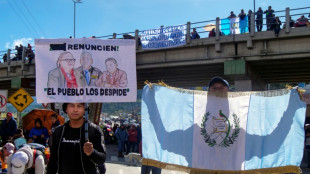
(86, 121)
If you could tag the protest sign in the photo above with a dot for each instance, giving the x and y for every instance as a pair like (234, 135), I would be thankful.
(85, 70)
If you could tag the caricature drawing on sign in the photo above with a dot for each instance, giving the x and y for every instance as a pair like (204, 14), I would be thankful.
(113, 77)
(64, 76)
(90, 73)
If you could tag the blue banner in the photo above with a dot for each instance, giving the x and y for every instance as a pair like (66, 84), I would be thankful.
(163, 37)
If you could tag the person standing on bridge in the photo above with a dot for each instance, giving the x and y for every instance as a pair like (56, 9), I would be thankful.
(71, 152)
(8, 128)
(232, 15)
(250, 13)
(269, 17)
(194, 34)
(259, 19)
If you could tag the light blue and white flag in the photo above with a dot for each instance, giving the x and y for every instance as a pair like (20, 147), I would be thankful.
(225, 26)
(238, 132)
(234, 25)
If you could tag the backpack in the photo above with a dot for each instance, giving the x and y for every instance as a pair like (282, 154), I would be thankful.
(38, 150)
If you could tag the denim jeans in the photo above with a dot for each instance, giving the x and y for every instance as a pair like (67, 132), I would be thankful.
(120, 146)
(131, 147)
(147, 170)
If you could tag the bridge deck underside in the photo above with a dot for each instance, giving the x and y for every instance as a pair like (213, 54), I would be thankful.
(283, 71)
(270, 71)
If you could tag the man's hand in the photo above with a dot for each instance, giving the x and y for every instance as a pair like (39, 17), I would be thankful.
(88, 148)
(42, 135)
(35, 137)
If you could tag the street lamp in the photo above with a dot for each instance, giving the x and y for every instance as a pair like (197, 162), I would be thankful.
(75, 1)
(254, 6)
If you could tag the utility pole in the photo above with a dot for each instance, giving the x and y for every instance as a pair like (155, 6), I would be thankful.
(75, 1)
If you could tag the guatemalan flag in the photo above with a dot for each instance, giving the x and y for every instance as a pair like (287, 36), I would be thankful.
(234, 25)
(235, 132)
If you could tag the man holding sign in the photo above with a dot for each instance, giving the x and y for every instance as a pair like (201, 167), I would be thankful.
(73, 153)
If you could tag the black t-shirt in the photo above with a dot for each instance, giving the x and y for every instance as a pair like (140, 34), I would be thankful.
(70, 151)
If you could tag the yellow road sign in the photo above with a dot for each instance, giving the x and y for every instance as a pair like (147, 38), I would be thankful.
(20, 99)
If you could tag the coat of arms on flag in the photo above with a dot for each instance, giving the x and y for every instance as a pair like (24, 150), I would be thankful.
(236, 132)
(223, 133)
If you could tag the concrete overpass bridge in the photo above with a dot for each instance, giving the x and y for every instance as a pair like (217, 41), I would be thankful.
(249, 61)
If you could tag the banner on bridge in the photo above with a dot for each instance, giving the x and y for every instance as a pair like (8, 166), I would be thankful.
(235, 132)
(85, 70)
(164, 37)
(236, 25)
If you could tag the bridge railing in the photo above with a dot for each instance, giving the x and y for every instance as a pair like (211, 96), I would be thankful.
(202, 27)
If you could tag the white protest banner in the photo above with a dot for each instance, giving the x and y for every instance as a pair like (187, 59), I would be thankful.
(163, 37)
(85, 70)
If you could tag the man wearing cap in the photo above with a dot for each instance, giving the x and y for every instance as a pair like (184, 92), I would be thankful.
(72, 153)
(218, 84)
(6, 151)
(22, 160)
(8, 127)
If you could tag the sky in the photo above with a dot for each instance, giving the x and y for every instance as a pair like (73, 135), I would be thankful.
(22, 21)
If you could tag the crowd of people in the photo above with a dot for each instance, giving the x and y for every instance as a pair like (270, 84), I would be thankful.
(24, 151)
(73, 153)
(127, 137)
(272, 22)
(36, 151)
(19, 52)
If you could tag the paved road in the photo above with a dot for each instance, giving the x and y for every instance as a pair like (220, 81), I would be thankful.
(117, 165)
(125, 169)
(128, 169)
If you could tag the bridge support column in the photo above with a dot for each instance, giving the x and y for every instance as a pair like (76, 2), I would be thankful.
(287, 20)
(94, 112)
(188, 32)
(245, 79)
(249, 85)
(137, 39)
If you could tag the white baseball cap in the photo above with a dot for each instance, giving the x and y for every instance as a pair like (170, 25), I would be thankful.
(9, 147)
(19, 161)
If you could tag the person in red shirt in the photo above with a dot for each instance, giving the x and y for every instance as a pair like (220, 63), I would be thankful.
(212, 33)
(132, 139)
